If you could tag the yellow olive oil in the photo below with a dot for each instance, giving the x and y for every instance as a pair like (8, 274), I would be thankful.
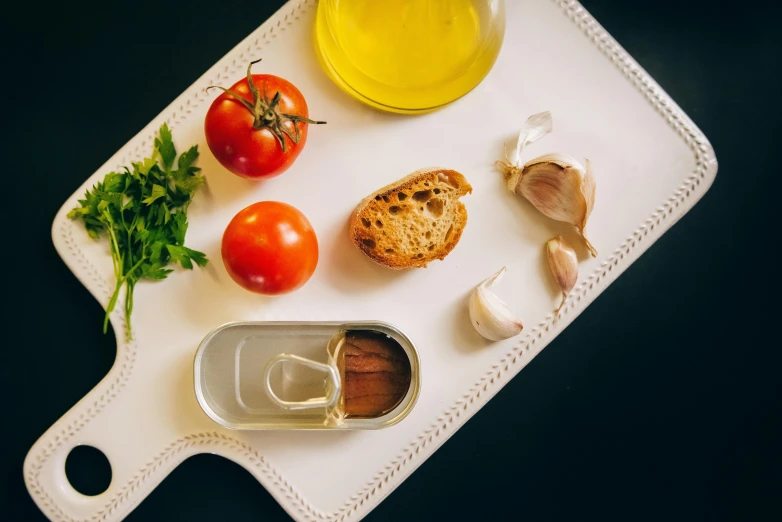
(409, 55)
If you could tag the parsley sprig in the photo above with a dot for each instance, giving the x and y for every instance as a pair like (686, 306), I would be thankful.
(143, 211)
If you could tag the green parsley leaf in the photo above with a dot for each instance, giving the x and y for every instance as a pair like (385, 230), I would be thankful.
(158, 191)
(114, 182)
(163, 214)
(145, 166)
(197, 257)
(187, 158)
(179, 255)
(179, 227)
(164, 145)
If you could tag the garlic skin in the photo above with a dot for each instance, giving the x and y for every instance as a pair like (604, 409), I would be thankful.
(535, 128)
(563, 262)
(560, 188)
(489, 315)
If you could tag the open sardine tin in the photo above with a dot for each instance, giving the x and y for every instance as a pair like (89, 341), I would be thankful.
(307, 375)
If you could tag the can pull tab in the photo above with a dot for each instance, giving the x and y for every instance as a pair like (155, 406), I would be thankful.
(333, 384)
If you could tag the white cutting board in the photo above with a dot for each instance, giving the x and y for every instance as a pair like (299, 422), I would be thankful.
(651, 164)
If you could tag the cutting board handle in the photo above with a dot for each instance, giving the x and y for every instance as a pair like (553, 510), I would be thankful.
(138, 464)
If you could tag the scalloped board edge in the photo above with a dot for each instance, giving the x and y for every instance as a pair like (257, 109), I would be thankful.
(387, 479)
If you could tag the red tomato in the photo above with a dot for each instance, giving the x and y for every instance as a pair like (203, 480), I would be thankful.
(270, 248)
(258, 140)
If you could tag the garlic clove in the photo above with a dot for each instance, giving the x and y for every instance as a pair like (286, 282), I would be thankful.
(563, 262)
(560, 188)
(552, 183)
(489, 315)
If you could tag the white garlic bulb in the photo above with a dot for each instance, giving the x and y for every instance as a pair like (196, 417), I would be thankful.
(489, 315)
(559, 186)
(563, 262)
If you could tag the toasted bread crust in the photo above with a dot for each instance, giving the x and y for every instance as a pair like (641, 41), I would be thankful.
(390, 230)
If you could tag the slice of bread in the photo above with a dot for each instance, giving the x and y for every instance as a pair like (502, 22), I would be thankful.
(411, 222)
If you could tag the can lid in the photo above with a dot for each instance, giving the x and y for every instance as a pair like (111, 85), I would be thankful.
(332, 383)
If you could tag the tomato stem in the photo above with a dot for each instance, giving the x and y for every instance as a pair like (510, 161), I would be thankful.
(266, 113)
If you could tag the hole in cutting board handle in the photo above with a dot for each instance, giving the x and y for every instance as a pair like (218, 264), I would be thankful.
(88, 470)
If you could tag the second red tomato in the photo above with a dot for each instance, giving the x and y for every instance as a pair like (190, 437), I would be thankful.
(270, 248)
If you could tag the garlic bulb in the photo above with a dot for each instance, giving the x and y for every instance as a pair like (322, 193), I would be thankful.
(563, 263)
(489, 315)
(558, 186)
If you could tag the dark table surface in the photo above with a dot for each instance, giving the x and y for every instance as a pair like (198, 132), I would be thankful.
(663, 401)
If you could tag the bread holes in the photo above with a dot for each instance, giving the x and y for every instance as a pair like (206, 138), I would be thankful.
(369, 243)
(366, 222)
(430, 247)
(422, 196)
(435, 207)
(379, 224)
(386, 199)
(394, 210)
(436, 191)
(449, 234)
(428, 234)
(389, 250)
(401, 196)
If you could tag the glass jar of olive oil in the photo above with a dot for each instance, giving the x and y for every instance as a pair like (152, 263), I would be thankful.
(409, 56)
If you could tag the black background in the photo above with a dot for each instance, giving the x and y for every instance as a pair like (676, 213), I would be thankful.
(661, 402)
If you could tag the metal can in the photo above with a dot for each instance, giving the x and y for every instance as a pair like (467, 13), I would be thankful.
(307, 375)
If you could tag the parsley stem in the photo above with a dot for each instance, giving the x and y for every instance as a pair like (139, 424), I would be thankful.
(116, 258)
(115, 296)
(111, 305)
(132, 269)
(129, 308)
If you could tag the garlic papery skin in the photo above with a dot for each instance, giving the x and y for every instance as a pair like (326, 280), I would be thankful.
(563, 262)
(561, 188)
(536, 127)
(489, 315)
